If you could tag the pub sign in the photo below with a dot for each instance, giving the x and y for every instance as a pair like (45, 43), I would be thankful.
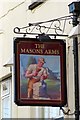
(40, 72)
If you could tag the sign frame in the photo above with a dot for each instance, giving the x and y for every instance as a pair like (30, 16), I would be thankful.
(54, 53)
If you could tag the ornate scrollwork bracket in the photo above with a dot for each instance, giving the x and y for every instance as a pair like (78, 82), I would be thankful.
(67, 112)
(55, 27)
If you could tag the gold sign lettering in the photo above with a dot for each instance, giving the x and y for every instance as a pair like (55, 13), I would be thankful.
(39, 46)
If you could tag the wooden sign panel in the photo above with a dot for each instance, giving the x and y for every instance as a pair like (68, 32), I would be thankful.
(40, 72)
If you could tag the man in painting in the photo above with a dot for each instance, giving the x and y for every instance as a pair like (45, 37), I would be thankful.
(35, 73)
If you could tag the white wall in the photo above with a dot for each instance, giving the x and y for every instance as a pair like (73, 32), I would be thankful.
(70, 77)
(16, 14)
(0, 100)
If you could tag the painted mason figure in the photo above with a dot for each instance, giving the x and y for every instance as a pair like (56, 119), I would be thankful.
(36, 73)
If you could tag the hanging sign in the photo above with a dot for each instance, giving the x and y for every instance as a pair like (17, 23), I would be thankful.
(40, 72)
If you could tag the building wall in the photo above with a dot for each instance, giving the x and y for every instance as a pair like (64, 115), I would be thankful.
(16, 14)
(0, 100)
(70, 77)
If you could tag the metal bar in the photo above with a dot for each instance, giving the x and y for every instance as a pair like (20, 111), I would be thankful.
(42, 27)
(61, 18)
(38, 34)
(75, 47)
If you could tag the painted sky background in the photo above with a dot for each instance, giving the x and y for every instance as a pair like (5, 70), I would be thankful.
(52, 62)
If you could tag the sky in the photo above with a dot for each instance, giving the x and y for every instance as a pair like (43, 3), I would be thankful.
(52, 62)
